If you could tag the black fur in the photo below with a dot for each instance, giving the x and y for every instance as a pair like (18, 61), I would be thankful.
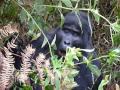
(75, 32)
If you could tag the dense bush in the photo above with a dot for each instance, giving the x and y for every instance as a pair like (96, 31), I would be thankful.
(31, 17)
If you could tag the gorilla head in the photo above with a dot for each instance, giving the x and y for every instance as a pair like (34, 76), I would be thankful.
(75, 32)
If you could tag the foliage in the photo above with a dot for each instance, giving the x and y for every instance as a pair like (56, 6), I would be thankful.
(41, 15)
(57, 74)
(7, 69)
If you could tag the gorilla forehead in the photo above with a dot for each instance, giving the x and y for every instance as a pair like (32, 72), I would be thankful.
(74, 17)
(78, 20)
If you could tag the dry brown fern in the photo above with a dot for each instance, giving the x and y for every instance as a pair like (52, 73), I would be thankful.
(8, 30)
(6, 73)
(43, 67)
(40, 60)
(7, 66)
(26, 64)
(11, 44)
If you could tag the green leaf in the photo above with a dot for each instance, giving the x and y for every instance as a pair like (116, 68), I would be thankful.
(96, 15)
(67, 3)
(62, 19)
(10, 9)
(117, 50)
(56, 63)
(53, 41)
(116, 39)
(57, 82)
(37, 8)
(47, 80)
(23, 16)
(58, 72)
(27, 87)
(103, 83)
(112, 56)
(74, 0)
(116, 26)
(74, 72)
(94, 3)
(116, 74)
(95, 70)
(49, 87)
(71, 54)
(34, 77)
(44, 43)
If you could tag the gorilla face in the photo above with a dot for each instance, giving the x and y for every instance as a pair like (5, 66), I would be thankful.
(75, 32)
(67, 37)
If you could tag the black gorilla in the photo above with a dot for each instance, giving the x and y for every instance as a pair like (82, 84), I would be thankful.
(75, 32)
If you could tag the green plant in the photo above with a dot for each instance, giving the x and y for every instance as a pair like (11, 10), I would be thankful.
(39, 16)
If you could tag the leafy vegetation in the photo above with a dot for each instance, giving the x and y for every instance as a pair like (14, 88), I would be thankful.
(31, 17)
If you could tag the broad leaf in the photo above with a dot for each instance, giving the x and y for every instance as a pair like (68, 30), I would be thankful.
(53, 41)
(96, 15)
(94, 69)
(116, 26)
(27, 87)
(67, 3)
(44, 43)
(47, 80)
(103, 83)
(57, 82)
(62, 18)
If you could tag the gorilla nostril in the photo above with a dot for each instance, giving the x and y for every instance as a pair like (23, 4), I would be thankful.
(66, 42)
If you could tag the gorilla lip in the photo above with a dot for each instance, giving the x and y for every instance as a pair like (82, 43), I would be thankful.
(61, 53)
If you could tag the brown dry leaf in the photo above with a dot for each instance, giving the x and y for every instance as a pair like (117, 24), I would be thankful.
(26, 64)
(41, 64)
(11, 44)
(7, 69)
(1, 61)
(117, 87)
(114, 86)
(8, 30)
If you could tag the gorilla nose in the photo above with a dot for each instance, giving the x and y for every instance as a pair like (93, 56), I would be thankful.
(67, 42)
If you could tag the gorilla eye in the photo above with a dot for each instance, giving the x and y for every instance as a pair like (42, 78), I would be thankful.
(75, 33)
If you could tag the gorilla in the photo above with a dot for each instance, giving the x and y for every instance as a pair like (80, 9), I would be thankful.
(75, 32)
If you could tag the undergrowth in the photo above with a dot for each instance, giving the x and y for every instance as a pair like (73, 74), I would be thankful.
(53, 73)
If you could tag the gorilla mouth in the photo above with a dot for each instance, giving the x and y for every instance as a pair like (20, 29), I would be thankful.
(62, 53)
